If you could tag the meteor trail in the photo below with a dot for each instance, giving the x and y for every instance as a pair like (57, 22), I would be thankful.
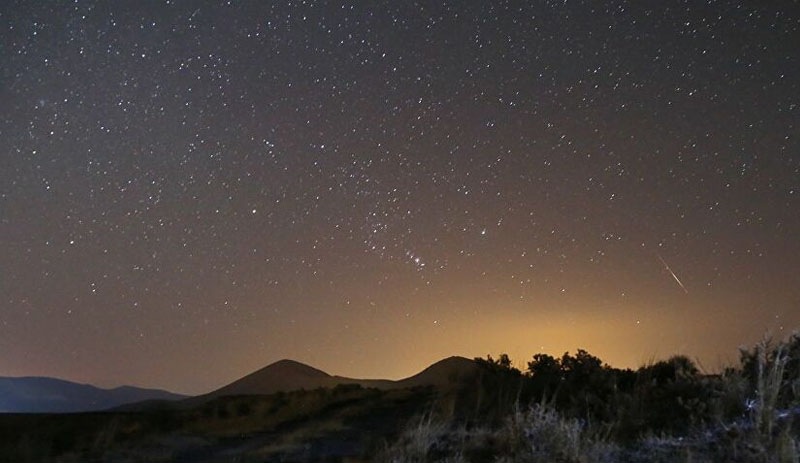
(672, 273)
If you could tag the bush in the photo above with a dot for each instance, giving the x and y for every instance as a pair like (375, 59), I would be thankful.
(585, 411)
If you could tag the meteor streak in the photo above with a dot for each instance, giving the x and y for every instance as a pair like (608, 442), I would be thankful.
(672, 273)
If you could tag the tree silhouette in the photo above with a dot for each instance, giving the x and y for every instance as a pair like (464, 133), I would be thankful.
(546, 375)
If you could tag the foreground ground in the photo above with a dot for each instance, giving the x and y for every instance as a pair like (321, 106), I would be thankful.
(572, 409)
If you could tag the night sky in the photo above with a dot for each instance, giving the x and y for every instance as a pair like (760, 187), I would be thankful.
(192, 190)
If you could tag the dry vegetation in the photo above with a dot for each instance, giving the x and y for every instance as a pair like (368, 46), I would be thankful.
(316, 425)
(575, 409)
(572, 409)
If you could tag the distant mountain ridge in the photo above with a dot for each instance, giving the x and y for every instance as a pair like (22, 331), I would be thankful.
(51, 395)
(450, 370)
(35, 394)
(289, 375)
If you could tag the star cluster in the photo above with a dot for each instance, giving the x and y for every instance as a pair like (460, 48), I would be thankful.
(189, 191)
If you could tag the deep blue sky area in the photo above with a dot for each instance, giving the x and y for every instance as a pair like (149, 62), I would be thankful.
(192, 190)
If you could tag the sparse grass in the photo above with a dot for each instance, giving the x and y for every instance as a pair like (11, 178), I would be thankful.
(664, 412)
(419, 440)
(536, 434)
(769, 433)
(744, 415)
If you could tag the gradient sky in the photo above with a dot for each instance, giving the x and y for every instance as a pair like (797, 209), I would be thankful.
(192, 190)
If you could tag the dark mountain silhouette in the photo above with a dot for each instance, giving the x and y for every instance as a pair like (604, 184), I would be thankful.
(289, 375)
(449, 371)
(52, 395)
(283, 375)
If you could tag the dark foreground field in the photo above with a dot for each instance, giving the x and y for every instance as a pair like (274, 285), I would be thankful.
(320, 425)
(572, 409)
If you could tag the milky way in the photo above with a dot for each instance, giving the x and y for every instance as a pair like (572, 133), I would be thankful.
(192, 190)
